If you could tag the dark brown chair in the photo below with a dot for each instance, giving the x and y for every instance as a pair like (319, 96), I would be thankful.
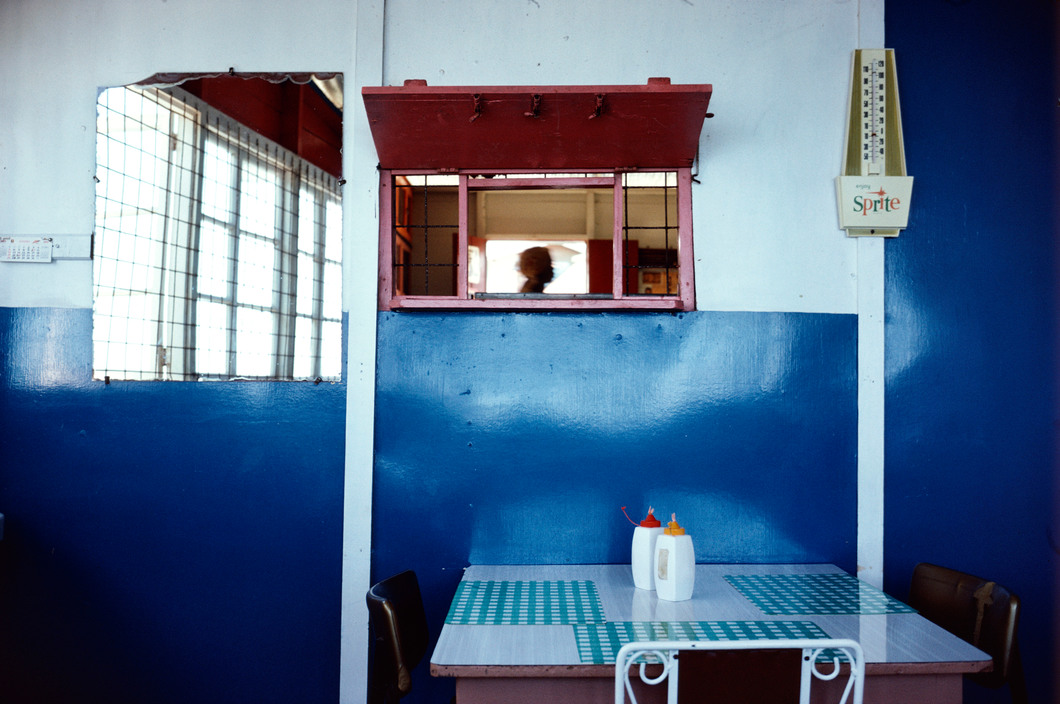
(399, 636)
(981, 612)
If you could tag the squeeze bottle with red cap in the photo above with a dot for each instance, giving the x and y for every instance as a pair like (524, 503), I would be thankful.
(675, 563)
(643, 553)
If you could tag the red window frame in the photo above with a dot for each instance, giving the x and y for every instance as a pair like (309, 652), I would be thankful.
(391, 296)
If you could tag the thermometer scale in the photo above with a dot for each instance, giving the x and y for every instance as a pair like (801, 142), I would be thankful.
(872, 75)
(874, 191)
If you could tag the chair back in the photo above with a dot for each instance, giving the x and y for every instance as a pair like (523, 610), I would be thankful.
(978, 611)
(663, 658)
(399, 634)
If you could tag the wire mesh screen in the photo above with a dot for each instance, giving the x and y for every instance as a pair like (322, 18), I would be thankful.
(650, 213)
(218, 253)
(425, 235)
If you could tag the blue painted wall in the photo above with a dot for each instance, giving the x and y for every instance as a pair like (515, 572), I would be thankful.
(182, 542)
(515, 438)
(971, 294)
(164, 542)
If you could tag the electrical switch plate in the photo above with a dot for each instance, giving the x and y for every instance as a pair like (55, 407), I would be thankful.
(25, 249)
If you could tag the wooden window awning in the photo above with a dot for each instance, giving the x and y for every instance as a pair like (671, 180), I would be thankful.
(653, 126)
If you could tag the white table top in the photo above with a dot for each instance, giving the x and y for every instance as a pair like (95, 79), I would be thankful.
(895, 642)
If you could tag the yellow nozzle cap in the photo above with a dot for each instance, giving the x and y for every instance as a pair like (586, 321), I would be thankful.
(672, 528)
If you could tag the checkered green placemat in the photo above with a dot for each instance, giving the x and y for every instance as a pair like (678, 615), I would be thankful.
(598, 643)
(794, 594)
(541, 603)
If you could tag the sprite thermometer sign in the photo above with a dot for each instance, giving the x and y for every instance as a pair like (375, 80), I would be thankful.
(873, 191)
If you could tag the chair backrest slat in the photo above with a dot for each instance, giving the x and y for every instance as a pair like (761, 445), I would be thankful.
(399, 635)
(981, 612)
(666, 655)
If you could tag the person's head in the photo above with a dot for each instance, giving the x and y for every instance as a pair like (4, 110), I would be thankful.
(536, 265)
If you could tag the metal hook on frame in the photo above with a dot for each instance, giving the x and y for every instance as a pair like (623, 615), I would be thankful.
(535, 106)
(478, 107)
(599, 106)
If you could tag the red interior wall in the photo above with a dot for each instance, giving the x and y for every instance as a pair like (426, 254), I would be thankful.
(294, 116)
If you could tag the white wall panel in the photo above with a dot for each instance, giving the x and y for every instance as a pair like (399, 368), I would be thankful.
(767, 237)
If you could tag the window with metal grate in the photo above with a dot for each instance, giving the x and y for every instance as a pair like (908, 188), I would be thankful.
(217, 252)
(556, 240)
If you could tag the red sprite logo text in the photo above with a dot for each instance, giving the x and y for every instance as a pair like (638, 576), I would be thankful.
(881, 203)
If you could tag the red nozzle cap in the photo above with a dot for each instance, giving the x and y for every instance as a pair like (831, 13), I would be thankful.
(650, 521)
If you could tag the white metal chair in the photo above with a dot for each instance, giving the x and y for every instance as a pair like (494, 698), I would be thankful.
(667, 654)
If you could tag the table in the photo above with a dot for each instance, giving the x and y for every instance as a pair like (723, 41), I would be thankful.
(533, 633)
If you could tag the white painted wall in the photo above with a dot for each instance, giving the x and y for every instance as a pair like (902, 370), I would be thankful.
(767, 237)
(766, 229)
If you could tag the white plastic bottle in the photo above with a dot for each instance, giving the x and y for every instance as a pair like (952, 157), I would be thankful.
(675, 563)
(643, 555)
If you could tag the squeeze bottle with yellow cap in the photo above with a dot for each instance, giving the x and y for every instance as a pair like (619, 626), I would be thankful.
(643, 554)
(675, 563)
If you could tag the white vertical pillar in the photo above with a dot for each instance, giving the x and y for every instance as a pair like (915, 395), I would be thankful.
(870, 410)
(870, 307)
(360, 221)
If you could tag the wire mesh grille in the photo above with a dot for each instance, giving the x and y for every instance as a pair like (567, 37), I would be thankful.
(425, 232)
(654, 219)
(218, 253)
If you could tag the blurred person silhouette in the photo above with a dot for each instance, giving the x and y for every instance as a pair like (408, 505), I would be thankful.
(536, 265)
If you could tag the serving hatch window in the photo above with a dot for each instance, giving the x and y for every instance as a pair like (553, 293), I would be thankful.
(535, 240)
(514, 209)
